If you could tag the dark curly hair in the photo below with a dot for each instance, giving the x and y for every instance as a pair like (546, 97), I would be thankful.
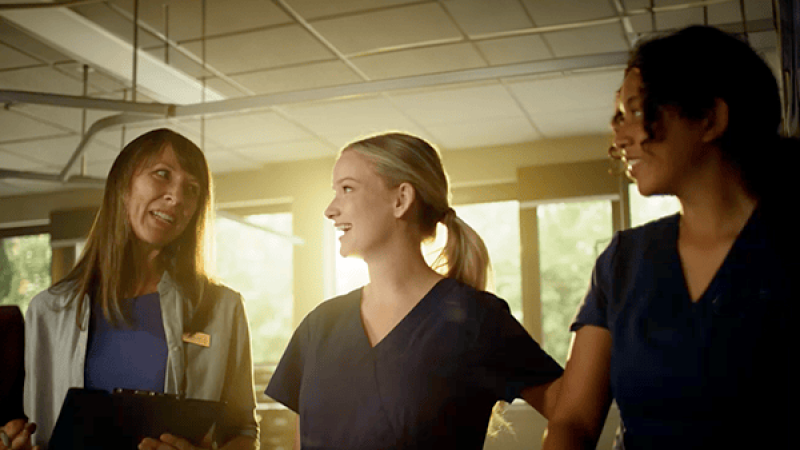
(690, 69)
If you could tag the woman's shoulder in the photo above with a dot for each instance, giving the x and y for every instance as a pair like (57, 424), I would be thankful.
(656, 234)
(656, 226)
(51, 306)
(56, 296)
(474, 299)
(335, 307)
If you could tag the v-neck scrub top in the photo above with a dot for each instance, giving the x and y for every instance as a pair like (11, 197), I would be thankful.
(430, 383)
(706, 374)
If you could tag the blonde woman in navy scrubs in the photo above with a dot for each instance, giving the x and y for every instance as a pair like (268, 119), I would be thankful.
(118, 318)
(414, 359)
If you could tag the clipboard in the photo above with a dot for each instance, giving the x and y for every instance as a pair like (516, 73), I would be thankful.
(95, 419)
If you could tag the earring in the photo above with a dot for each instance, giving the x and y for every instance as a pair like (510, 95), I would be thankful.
(615, 154)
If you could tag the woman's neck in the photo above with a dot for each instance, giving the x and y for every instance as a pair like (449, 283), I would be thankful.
(717, 206)
(399, 274)
(148, 268)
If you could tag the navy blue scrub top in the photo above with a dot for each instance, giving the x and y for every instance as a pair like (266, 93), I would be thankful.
(430, 383)
(705, 374)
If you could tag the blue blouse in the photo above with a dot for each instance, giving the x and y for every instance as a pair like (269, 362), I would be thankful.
(128, 357)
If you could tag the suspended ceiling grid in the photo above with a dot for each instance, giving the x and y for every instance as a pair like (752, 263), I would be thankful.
(255, 48)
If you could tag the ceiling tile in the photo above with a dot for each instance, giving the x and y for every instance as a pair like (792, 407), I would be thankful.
(10, 58)
(307, 76)
(99, 169)
(565, 123)
(180, 61)
(288, 151)
(312, 9)
(21, 41)
(420, 61)
(724, 13)
(479, 17)
(483, 133)
(227, 89)
(113, 22)
(228, 161)
(16, 127)
(642, 23)
(415, 24)
(57, 151)
(340, 140)
(458, 105)
(65, 120)
(8, 189)
(576, 92)
(31, 186)
(636, 4)
(671, 20)
(222, 16)
(247, 129)
(189, 128)
(274, 47)
(13, 161)
(552, 12)
(350, 118)
(99, 81)
(758, 9)
(763, 40)
(40, 79)
(586, 41)
(514, 49)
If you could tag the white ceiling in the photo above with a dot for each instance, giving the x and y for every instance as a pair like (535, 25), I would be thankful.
(304, 77)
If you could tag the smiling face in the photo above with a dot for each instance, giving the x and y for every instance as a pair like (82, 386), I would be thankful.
(658, 166)
(362, 206)
(161, 200)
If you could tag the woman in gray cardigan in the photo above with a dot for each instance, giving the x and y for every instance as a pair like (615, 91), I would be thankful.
(139, 310)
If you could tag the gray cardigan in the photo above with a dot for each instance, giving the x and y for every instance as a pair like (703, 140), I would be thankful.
(55, 353)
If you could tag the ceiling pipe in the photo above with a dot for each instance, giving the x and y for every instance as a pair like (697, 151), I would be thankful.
(324, 93)
(76, 101)
(10, 6)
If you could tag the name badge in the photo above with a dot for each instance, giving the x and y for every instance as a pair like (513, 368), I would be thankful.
(197, 338)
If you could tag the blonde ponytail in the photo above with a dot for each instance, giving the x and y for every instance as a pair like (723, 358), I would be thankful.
(464, 254)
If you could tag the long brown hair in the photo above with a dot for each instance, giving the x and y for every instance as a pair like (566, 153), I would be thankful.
(106, 272)
(402, 158)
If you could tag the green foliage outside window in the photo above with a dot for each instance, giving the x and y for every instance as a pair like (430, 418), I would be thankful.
(259, 266)
(24, 268)
(571, 236)
(498, 225)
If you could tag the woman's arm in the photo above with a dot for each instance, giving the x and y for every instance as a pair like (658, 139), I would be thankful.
(170, 442)
(585, 393)
(297, 444)
(543, 397)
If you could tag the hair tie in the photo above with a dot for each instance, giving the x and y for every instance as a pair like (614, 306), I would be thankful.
(448, 212)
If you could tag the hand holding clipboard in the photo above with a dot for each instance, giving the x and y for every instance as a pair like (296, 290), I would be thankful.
(95, 419)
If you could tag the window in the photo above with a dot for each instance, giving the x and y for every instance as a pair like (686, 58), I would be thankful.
(571, 236)
(24, 268)
(258, 264)
(497, 223)
(644, 209)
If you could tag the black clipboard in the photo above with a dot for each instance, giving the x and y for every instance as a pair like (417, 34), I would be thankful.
(96, 419)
